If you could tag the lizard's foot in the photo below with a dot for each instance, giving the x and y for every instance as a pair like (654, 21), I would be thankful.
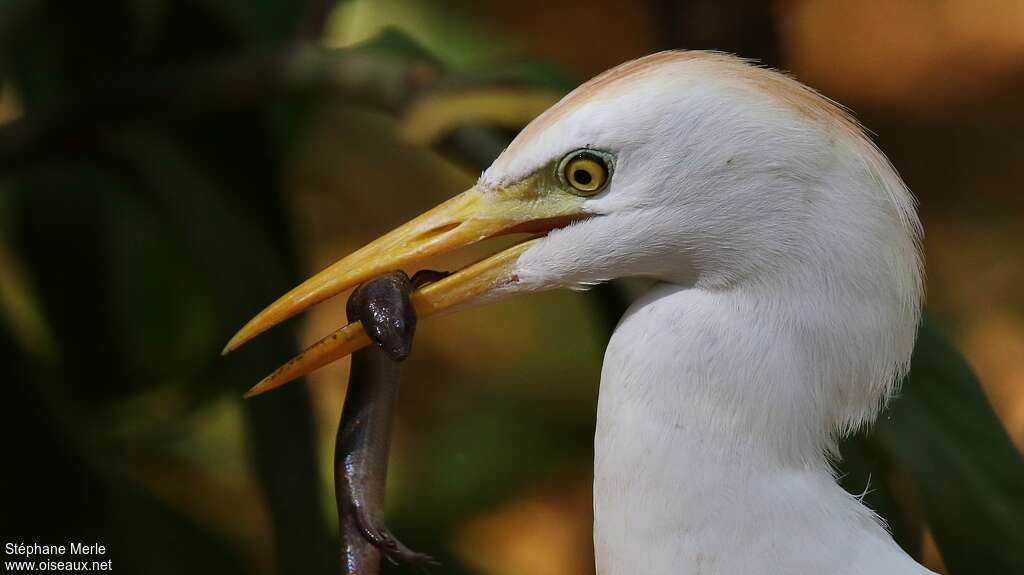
(394, 550)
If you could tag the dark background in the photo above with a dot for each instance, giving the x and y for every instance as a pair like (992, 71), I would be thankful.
(169, 167)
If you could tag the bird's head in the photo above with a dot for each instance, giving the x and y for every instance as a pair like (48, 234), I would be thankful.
(692, 168)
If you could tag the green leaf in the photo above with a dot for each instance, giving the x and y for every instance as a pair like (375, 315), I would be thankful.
(393, 42)
(526, 71)
(967, 475)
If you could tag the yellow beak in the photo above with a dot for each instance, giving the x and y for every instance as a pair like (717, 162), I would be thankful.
(470, 217)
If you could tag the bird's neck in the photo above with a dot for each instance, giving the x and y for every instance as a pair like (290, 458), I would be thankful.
(711, 449)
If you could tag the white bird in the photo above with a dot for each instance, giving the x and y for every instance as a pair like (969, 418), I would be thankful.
(786, 250)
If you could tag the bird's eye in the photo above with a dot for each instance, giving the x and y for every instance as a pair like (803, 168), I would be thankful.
(585, 171)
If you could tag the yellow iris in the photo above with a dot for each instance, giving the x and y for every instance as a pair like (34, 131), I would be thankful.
(586, 173)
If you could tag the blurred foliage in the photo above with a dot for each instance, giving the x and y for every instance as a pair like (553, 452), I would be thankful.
(146, 239)
(149, 205)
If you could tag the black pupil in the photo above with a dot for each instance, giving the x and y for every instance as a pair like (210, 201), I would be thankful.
(582, 176)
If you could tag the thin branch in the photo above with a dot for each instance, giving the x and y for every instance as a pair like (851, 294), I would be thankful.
(230, 83)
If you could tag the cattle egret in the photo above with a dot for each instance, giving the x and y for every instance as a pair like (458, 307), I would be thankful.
(786, 251)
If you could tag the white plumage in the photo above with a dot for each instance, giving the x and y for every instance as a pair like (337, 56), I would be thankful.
(787, 248)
